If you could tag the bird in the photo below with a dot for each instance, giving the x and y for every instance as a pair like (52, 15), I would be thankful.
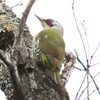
(49, 48)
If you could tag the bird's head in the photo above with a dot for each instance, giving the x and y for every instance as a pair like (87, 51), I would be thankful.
(50, 23)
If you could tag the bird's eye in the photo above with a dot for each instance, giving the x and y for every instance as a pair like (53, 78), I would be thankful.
(48, 23)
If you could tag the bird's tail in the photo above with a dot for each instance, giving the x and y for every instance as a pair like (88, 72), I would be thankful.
(53, 67)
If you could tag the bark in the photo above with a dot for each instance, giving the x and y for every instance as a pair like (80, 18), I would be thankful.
(20, 77)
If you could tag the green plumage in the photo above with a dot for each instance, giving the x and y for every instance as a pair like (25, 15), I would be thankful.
(51, 42)
(51, 51)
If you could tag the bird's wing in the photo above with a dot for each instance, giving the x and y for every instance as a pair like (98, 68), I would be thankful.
(52, 43)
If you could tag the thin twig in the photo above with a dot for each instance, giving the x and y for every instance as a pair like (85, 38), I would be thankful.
(80, 87)
(95, 83)
(94, 52)
(90, 94)
(86, 86)
(81, 63)
(83, 47)
(95, 64)
(87, 59)
(79, 69)
(89, 75)
(18, 4)
(79, 32)
(86, 38)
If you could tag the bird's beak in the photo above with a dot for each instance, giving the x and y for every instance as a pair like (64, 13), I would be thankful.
(40, 19)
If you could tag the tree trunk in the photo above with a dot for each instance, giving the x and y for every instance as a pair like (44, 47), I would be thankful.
(20, 77)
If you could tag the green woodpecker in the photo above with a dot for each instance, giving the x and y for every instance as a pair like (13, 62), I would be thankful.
(49, 48)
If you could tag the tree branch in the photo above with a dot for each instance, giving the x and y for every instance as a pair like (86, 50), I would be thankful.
(25, 16)
(68, 67)
(14, 75)
(6, 61)
(23, 21)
